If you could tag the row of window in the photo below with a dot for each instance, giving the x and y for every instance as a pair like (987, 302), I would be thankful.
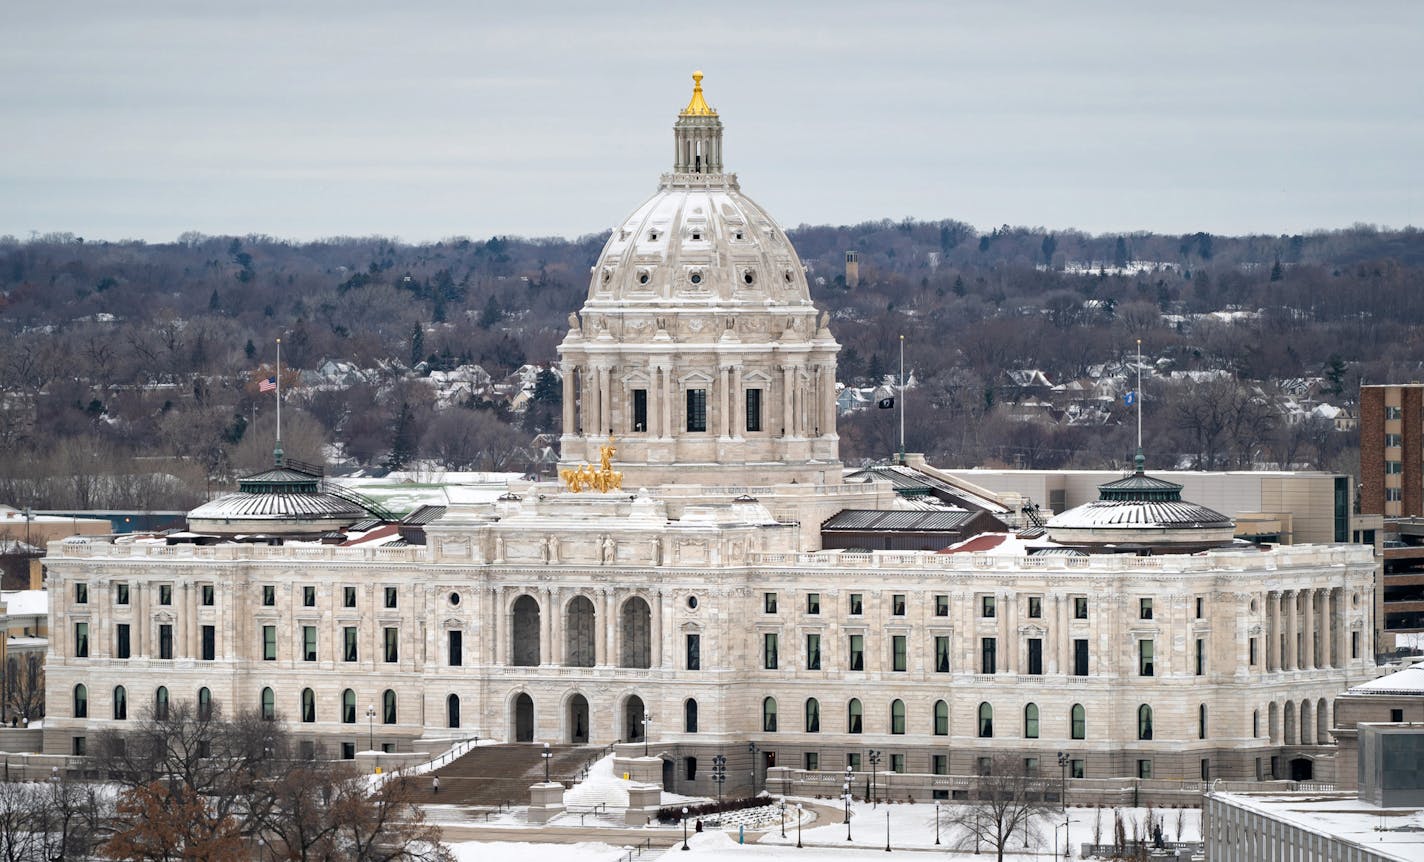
(207, 596)
(988, 606)
(390, 643)
(267, 708)
(854, 723)
(696, 414)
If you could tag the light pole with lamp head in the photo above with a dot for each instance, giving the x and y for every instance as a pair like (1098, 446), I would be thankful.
(783, 817)
(874, 761)
(647, 720)
(547, 755)
(684, 828)
(1063, 779)
(798, 826)
(719, 775)
(887, 830)
(936, 823)
(370, 727)
(752, 749)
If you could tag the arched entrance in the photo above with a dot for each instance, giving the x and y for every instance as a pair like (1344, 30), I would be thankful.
(633, 710)
(524, 633)
(578, 719)
(523, 718)
(1302, 769)
(452, 711)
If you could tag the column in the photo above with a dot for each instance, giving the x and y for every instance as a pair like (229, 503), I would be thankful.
(190, 619)
(1009, 610)
(1291, 658)
(1337, 597)
(605, 388)
(499, 624)
(724, 418)
(1273, 631)
(610, 626)
(1307, 635)
(546, 623)
(828, 399)
(739, 401)
(556, 627)
(570, 392)
(667, 402)
(656, 657)
(788, 429)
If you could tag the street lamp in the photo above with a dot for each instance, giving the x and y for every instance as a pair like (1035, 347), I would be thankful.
(647, 720)
(1063, 779)
(874, 760)
(684, 828)
(783, 817)
(547, 755)
(936, 823)
(798, 825)
(752, 748)
(370, 728)
(845, 794)
(719, 775)
(887, 831)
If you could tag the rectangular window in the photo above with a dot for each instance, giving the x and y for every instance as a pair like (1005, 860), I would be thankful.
(1030, 764)
(1392, 441)
(165, 640)
(689, 767)
(1394, 495)
(348, 635)
(207, 595)
(988, 655)
(697, 410)
(121, 641)
(269, 595)
(939, 764)
(941, 606)
(1144, 609)
(308, 597)
(269, 643)
(390, 638)
(348, 751)
(983, 765)
(753, 409)
(79, 747)
(1035, 656)
(1080, 656)
(694, 652)
(1144, 658)
(121, 594)
(1035, 607)
(1144, 769)
(1075, 768)
(81, 640)
(813, 603)
(899, 660)
(210, 643)
(769, 650)
(1354, 644)
(1393, 412)
(1201, 656)
(853, 761)
(986, 607)
(308, 643)
(1206, 769)
(857, 606)
(897, 763)
(768, 602)
(857, 652)
(1393, 467)
(81, 594)
(1201, 607)
(941, 647)
(640, 410)
(390, 597)
(455, 647)
(1396, 716)
(1251, 644)
(348, 597)
(897, 605)
(165, 594)
(1080, 607)
(813, 652)
(811, 761)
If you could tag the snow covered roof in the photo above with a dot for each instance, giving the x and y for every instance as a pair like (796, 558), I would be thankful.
(26, 603)
(1409, 681)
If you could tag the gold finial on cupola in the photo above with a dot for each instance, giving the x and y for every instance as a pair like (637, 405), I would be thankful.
(698, 107)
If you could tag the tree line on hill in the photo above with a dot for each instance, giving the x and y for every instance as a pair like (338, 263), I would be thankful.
(129, 372)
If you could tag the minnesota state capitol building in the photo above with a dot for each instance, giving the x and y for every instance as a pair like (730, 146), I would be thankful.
(682, 590)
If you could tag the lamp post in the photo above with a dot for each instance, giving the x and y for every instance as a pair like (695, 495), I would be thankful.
(783, 817)
(752, 748)
(1063, 779)
(887, 831)
(547, 755)
(845, 791)
(370, 728)
(647, 720)
(798, 825)
(936, 823)
(684, 828)
(719, 775)
(874, 760)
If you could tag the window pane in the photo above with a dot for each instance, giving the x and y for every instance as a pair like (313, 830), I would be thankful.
(697, 410)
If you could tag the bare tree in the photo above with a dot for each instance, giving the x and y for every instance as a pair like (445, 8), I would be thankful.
(45, 820)
(1004, 805)
(24, 687)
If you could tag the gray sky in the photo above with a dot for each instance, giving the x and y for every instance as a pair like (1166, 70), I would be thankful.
(425, 120)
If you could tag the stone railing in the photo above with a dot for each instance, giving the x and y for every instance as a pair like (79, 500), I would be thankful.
(410, 553)
(1281, 557)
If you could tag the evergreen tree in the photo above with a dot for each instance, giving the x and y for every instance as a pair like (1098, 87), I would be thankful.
(402, 440)
(215, 302)
(250, 350)
(1276, 272)
(1120, 257)
(417, 344)
(491, 313)
(959, 289)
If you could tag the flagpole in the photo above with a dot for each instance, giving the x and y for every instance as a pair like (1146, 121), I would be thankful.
(1139, 395)
(902, 400)
(278, 451)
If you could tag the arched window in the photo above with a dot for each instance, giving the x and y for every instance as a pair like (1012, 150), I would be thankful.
(205, 704)
(269, 705)
(1144, 722)
(388, 707)
(348, 707)
(121, 703)
(1255, 722)
(1201, 722)
(768, 715)
(452, 711)
(580, 632)
(941, 718)
(853, 716)
(897, 716)
(524, 632)
(689, 716)
(986, 721)
(308, 705)
(1079, 721)
(160, 703)
(637, 634)
(813, 715)
(81, 701)
(1031, 721)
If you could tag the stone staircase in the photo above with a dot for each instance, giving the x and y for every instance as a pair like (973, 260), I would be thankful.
(493, 775)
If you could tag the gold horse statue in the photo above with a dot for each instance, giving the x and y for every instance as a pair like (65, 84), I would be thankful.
(585, 478)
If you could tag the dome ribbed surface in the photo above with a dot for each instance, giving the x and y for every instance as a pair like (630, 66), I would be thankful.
(1139, 513)
(241, 506)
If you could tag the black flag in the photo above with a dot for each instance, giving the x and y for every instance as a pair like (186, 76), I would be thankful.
(886, 403)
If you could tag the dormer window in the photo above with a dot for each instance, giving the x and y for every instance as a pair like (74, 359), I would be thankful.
(737, 235)
(749, 277)
(697, 236)
(643, 276)
(652, 236)
(695, 277)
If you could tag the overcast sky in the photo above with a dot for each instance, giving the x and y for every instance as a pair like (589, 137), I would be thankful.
(425, 120)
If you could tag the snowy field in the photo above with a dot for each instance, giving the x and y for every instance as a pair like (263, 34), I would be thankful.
(911, 827)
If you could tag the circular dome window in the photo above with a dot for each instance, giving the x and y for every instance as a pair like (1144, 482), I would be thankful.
(643, 277)
(1253, 606)
(454, 598)
(749, 277)
(788, 276)
(607, 275)
(692, 602)
(695, 278)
